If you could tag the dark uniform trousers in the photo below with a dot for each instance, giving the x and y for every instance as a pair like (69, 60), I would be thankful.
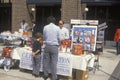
(50, 59)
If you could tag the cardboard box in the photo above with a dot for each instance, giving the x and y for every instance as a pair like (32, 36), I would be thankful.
(77, 50)
(81, 75)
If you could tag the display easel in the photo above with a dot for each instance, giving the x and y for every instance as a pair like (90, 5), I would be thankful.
(84, 32)
(81, 29)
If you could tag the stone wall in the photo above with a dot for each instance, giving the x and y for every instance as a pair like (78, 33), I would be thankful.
(71, 9)
(19, 12)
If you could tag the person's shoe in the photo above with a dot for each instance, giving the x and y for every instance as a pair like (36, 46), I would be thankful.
(6, 69)
(45, 78)
(117, 54)
(36, 76)
(33, 74)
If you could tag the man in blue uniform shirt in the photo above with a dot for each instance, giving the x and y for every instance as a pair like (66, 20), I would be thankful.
(51, 35)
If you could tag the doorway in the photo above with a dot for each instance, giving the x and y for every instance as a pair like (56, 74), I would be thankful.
(5, 18)
(43, 12)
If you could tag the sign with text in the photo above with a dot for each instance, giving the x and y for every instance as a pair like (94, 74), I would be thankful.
(64, 64)
(84, 22)
(85, 36)
(101, 35)
(102, 26)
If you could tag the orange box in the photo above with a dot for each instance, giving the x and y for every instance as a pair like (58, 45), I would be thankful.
(66, 43)
(25, 33)
(7, 51)
(77, 49)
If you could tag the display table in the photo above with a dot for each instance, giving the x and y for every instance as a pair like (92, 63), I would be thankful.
(66, 61)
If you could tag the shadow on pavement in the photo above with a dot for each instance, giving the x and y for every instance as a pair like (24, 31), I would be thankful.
(113, 52)
(116, 73)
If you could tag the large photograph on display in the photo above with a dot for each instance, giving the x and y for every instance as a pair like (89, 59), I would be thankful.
(85, 36)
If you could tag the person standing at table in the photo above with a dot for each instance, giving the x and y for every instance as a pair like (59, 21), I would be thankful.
(51, 36)
(24, 28)
(64, 33)
(117, 40)
(36, 51)
(63, 30)
(24, 25)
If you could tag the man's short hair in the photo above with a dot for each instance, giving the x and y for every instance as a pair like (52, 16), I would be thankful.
(51, 19)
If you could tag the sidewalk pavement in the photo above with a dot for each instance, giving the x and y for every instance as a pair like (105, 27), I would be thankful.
(108, 62)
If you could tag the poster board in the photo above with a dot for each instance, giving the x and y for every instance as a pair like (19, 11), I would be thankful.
(85, 36)
(101, 35)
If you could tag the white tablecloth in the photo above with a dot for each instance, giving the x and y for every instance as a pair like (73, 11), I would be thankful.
(83, 61)
(17, 53)
(65, 60)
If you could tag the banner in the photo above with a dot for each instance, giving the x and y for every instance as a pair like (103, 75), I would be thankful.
(64, 64)
(26, 60)
(85, 36)
(84, 22)
(102, 26)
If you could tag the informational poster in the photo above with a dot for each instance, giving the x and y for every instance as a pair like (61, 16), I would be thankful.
(84, 35)
(101, 35)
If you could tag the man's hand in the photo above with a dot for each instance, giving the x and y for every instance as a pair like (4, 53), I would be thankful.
(33, 54)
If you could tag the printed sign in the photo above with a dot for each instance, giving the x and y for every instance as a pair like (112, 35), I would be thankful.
(64, 64)
(26, 60)
(102, 26)
(85, 36)
(101, 35)
(84, 22)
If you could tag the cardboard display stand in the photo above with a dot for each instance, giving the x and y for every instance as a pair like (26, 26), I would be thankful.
(82, 75)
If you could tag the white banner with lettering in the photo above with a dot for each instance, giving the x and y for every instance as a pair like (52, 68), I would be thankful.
(66, 62)
(64, 65)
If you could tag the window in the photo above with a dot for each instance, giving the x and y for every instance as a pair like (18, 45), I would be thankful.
(5, 1)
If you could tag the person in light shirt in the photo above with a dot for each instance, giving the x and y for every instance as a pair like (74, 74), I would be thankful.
(24, 25)
(23, 28)
(63, 30)
(52, 39)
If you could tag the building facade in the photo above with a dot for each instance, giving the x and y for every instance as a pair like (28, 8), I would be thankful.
(14, 11)
(37, 11)
(105, 11)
